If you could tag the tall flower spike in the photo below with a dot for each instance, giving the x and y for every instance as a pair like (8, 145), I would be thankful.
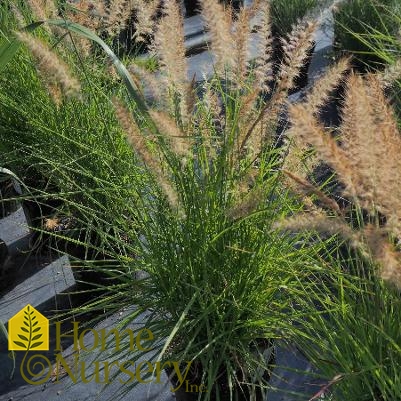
(384, 254)
(368, 132)
(310, 189)
(323, 88)
(145, 15)
(390, 74)
(247, 113)
(296, 48)
(387, 190)
(43, 9)
(242, 32)
(87, 13)
(208, 125)
(150, 84)
(117, 15)
(50, 9)
(50, 65)
(319, 221)
(170, 48)
(307, 130)
(18, 15)
(263, 62)
(359, 134)
(219, 24)
(38, 9)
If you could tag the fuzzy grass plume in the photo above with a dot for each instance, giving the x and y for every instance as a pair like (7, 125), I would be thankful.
(145, 13)
(364, 154)
(50, 65)
(117, 16)
(263, 62)
(219, 23)
(169, 47)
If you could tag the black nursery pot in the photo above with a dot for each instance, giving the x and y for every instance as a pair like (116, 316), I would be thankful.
(193, 386)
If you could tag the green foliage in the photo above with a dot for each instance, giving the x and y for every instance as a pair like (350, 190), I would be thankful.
(285, 14)
(218, 276)
(74, 151)
(386, 48)
(356, 19)
(355, 340)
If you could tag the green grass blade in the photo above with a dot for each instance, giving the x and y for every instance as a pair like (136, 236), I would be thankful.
(9, 48)
(123, 72)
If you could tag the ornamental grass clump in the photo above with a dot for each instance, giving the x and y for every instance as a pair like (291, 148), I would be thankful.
(219, 280)
(185, 190)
